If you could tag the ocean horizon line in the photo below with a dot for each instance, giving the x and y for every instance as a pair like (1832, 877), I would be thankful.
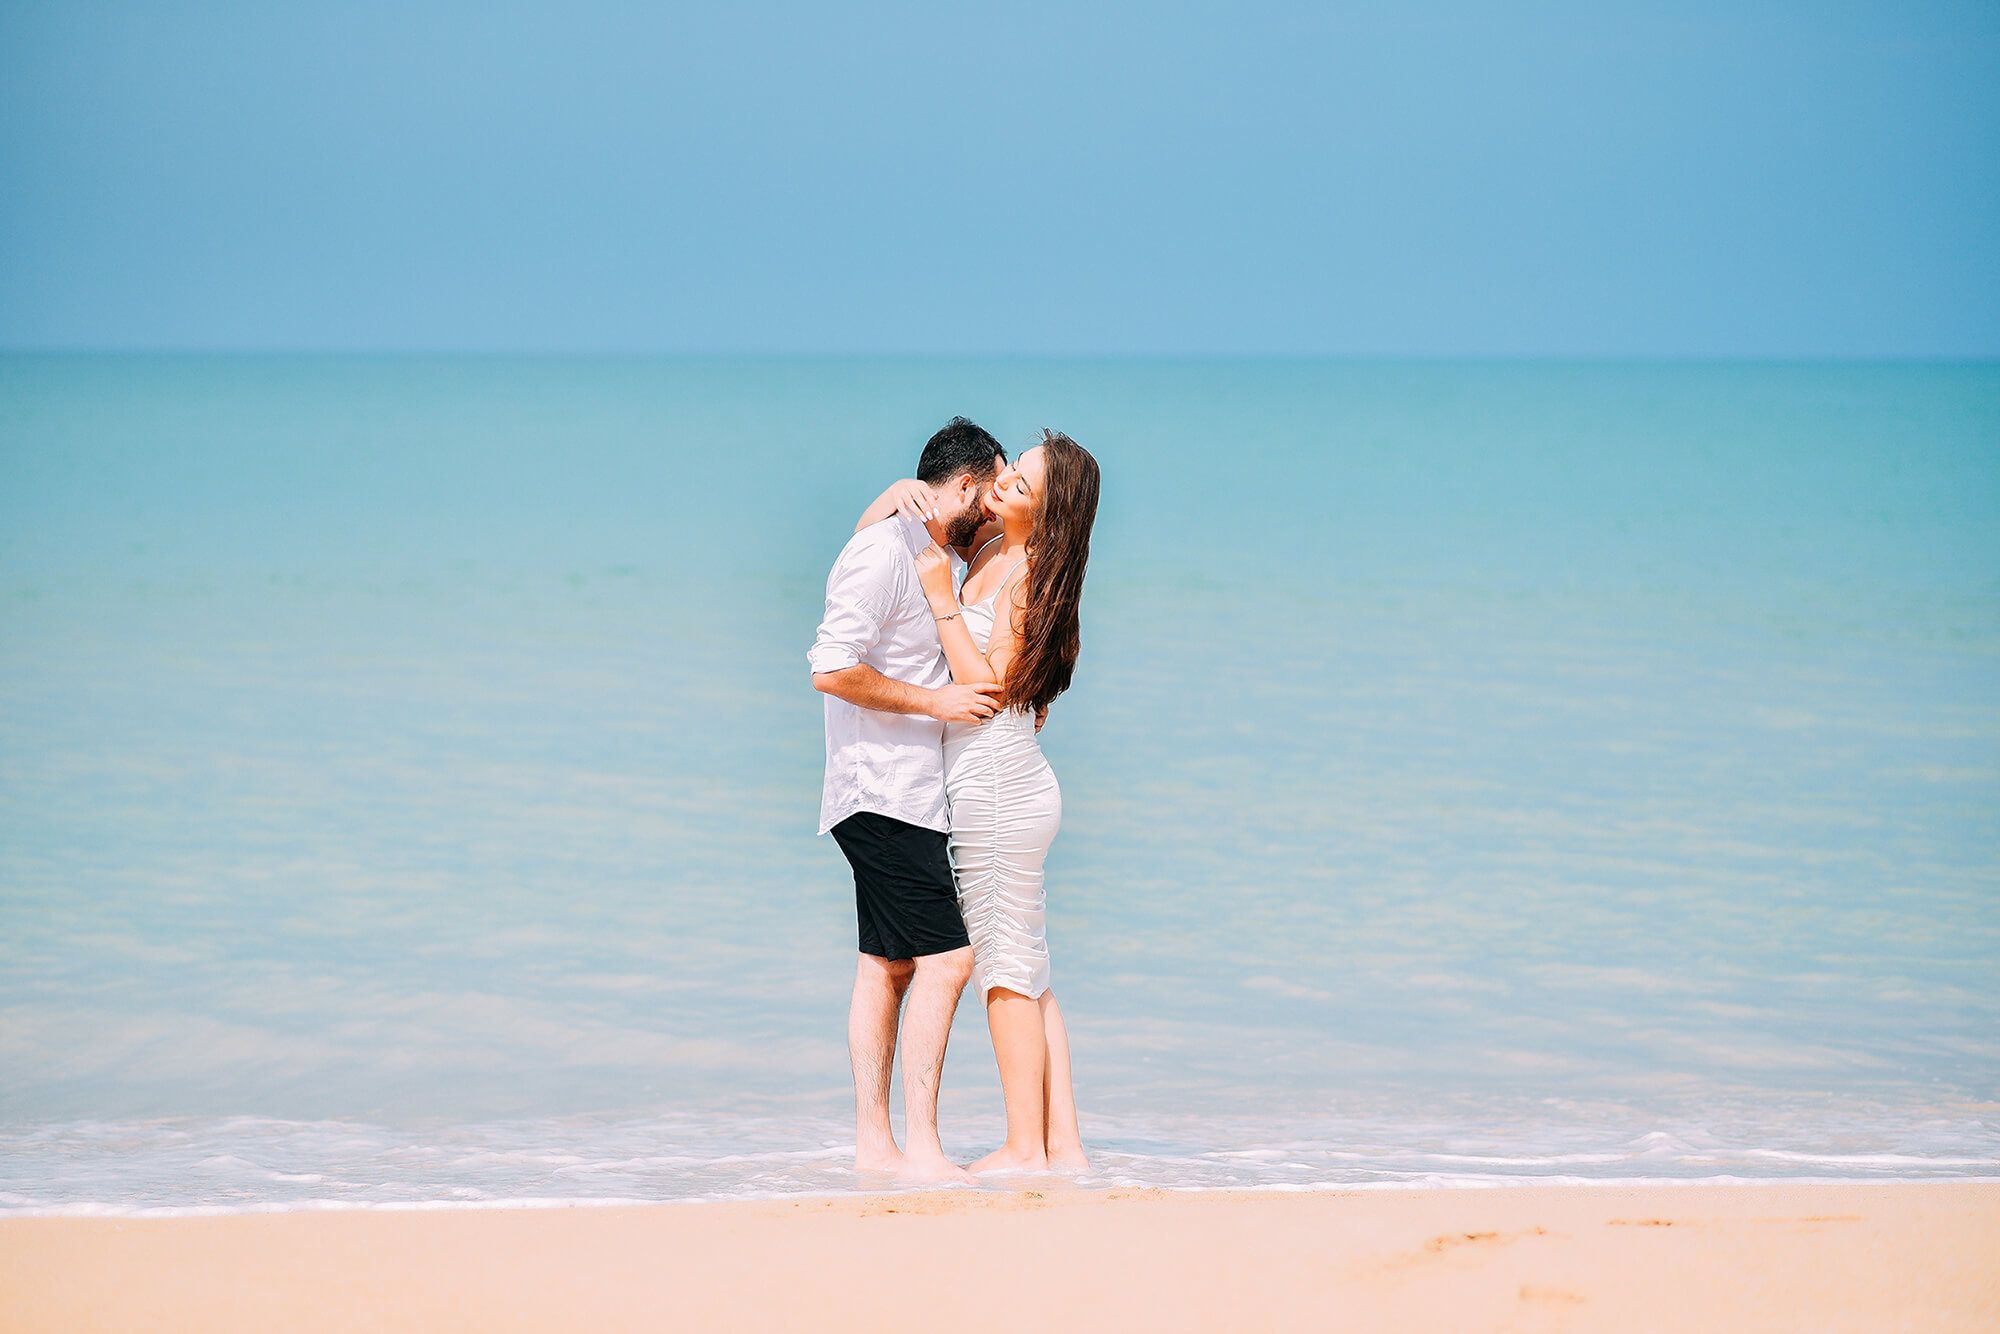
(1101, 358)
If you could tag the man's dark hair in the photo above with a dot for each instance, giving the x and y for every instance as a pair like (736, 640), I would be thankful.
(959, 447)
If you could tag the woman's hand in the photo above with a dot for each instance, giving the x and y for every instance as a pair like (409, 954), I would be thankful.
(934, 573)
(908, 496)
(913, 498)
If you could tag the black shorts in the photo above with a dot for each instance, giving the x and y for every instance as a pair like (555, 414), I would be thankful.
(904, 899)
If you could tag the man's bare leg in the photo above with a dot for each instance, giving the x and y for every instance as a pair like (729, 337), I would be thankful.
(879, 985)
(1065, 1140)
(1021, 1045)
(926, 1029)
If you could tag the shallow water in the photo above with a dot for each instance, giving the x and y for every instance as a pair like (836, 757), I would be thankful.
(1475, 773)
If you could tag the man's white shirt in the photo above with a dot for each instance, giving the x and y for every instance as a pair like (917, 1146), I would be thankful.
(876, 613)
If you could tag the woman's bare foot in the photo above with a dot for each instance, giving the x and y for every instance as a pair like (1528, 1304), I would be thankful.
(1006, 1159)
(932, 1168)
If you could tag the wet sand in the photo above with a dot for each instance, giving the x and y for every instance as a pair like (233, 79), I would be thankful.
(1709, 1258)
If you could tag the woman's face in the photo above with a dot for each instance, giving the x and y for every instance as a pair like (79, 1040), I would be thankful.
(1017, 491)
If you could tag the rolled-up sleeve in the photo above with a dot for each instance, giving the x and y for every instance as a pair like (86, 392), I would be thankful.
(856, 606)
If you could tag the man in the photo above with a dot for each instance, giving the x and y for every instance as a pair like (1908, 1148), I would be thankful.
(889, 694)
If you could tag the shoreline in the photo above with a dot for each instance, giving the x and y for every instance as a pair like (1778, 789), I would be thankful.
(1919, 1255)
(1053, 1186)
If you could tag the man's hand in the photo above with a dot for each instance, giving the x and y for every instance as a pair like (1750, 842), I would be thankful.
(973, 703)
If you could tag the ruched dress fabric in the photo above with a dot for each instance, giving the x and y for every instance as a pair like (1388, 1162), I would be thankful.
(1005, 810)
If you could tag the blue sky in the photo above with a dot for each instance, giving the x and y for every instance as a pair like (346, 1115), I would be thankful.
(1414, 179)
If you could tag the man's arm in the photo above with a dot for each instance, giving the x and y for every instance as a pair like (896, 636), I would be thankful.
(864, 687)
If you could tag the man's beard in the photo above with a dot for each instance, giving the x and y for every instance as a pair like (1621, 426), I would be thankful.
(962, 527)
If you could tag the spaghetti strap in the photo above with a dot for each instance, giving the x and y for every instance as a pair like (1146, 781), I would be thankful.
(1019, 566)
(975, 560)
(994, 596)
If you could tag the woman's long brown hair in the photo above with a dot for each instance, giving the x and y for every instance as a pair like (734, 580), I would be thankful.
(1058, 551)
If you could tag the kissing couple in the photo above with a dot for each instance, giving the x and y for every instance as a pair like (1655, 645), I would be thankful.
(951, 625)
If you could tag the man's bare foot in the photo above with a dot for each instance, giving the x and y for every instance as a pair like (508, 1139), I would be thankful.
(1070, 1159)
(929, 1168)
(1004, 1159)
(877, 1160)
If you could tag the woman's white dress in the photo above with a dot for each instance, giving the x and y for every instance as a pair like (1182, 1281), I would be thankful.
(1005, 810)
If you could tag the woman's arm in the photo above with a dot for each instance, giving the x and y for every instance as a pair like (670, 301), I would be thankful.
(967, 663)
(1008, 618)
(909, 495)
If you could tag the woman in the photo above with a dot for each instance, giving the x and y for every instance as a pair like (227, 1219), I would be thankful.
(1015, 622)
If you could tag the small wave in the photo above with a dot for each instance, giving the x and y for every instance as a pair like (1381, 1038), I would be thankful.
(251, 1164)
(1867, 1159)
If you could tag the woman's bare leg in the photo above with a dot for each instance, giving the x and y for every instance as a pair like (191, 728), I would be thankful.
(1021, 1045)
(1063, 1139)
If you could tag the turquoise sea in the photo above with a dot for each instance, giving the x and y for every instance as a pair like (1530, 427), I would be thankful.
(1477, 773)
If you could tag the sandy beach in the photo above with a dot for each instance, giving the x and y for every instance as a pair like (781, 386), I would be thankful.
(1711, 1258)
